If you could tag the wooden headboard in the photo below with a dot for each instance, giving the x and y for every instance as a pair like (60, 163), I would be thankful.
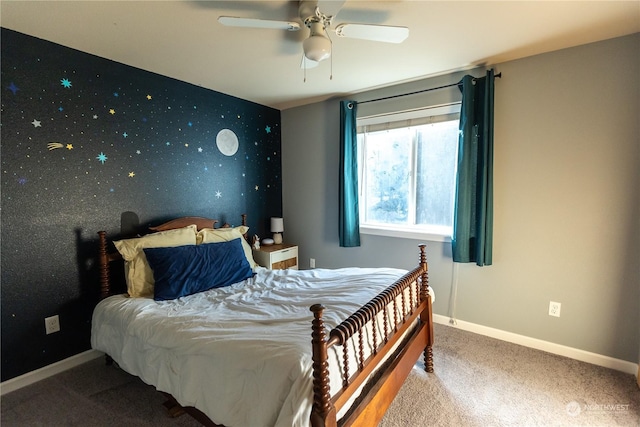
(105, 257)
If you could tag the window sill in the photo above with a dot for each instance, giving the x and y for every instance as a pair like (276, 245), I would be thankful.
(432, 235)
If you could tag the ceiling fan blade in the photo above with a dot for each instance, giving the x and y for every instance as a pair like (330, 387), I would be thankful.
(379, 33)
(307, 63)
(330, 7)
(232, 21)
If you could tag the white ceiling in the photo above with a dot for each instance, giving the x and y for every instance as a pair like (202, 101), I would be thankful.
(183, 40)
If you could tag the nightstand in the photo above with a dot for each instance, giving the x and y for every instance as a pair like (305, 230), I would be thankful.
(277, 257)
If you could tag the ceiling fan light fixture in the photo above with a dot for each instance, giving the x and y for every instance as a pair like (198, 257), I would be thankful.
(317, 48)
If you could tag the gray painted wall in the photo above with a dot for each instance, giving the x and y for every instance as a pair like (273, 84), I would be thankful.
(567, 207)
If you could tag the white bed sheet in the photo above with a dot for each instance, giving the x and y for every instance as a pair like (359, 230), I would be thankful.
(240, 354)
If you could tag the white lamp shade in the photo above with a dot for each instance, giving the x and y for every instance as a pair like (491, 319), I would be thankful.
(277, 225)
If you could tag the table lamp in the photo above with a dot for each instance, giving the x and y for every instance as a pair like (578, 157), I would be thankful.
(277, 227)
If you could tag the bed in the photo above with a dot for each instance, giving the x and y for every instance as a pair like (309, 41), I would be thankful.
(261, 347)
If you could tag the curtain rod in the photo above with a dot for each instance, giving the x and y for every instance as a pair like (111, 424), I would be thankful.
(499, 75)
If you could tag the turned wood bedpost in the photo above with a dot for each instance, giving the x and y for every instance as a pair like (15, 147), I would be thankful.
(427, 316)
(103, 260)
(322, 413)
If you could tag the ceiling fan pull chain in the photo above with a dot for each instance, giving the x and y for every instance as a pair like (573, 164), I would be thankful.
(330, 58)
(331, 73)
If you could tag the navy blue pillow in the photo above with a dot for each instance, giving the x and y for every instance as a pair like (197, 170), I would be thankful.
(186, 270)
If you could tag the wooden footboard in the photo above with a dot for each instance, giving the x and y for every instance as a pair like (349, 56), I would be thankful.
(404, 309)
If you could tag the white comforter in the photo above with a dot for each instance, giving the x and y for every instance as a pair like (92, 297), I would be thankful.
(240, 354)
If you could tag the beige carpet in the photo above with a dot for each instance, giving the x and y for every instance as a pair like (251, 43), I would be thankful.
(479, 381)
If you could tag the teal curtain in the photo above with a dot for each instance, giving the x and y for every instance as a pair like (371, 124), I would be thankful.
(349, 222)
(472, 238)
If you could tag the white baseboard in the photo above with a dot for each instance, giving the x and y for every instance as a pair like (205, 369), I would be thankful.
(562, 350)
(48, 371)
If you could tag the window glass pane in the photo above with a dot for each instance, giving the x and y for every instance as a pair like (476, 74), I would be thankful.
(407, 163)
(387, 176)
(436, 168)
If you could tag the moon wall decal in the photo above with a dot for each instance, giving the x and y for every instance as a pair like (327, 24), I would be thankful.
(227, 142)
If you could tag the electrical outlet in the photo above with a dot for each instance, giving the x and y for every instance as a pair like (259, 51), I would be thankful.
(554, 309)
(312, 263)
(52, 324)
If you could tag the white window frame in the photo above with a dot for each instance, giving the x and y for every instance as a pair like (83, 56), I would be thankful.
(429, 233)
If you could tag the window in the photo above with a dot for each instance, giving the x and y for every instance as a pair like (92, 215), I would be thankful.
(407, 167)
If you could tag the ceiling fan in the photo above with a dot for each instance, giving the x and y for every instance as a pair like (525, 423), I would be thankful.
(317, 47)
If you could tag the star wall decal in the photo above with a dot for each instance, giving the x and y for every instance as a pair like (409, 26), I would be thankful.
(13, 88)
(268, 129)
(102, 157)
(112, 111)
(131, 174)
(218, 194)
(69, 147)
(36, 123)
(148, 96)
(65, 83)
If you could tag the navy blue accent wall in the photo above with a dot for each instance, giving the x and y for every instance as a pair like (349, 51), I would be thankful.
(88, 144)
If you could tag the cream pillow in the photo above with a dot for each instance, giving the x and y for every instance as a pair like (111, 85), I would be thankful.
(138, 273)
(217, 235)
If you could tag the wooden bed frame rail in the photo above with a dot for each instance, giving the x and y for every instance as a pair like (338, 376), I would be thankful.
(398, 324)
